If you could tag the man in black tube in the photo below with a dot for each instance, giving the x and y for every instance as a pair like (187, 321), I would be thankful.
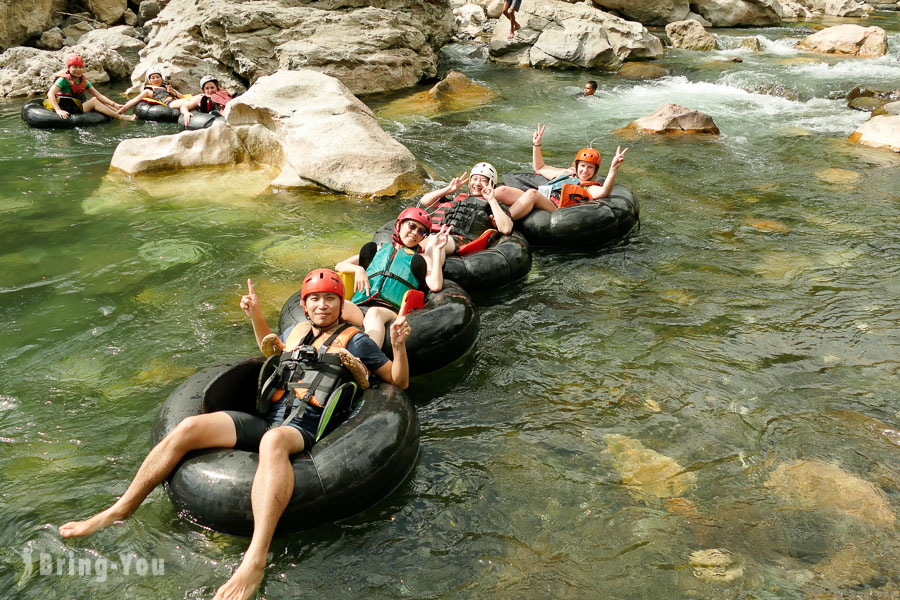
(288, 428)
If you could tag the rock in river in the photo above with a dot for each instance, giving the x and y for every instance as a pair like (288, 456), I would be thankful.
(646, 471)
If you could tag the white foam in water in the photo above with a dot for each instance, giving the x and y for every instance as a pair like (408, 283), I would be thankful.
(783, 46)
(885, 69)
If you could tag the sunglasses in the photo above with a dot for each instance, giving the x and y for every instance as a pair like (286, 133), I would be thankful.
(417, 228)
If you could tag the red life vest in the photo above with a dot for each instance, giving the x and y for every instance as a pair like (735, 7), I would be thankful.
(78, 89)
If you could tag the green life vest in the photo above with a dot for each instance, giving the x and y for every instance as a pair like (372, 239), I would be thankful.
(390, 276)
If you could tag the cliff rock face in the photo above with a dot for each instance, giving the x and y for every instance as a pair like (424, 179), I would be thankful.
(558, 34)
(19, 20)
(30, 72)
(376, 46)
(719, 13)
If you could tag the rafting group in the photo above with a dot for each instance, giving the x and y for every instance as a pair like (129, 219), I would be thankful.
(72, 101)
(318, 428)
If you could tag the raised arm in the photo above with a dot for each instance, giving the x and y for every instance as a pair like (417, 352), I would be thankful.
(397, 371)
(250, 306)
(501, 219)
(451, 188)
(434, 257)
(606, 189)
(537, 157)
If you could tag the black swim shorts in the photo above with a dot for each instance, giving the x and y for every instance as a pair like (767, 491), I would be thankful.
(251, 428)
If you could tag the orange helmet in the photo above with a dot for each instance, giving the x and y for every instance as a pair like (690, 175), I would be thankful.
(587, 155)
(321, 281)
(75, 59)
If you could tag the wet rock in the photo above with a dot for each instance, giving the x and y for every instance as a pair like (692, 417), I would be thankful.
(752, 43)
(22, 20)
(813, 485)
(845, 8)
(455, 92)
(147, 10)
(562, 35)
(715, 565)
(107, 11)
(52, 39)
(838, 176)
(847, 40)
(891, 108)
(767, 225)
(690, 35)
(641, 70)
(776, 89)
(675, 119)
(30, 71)
(867, 104)
(867, 92)
(646, 471)
(867, 424)
(213, 146)
(879, 132)
(371, 47)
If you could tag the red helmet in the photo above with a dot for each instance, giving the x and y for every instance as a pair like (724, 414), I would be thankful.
(321, 281)
(587, 155)
(412, 213)
(74, 59)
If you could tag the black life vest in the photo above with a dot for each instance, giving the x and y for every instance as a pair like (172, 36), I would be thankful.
(159, 93)
(313, 371)
(470, 216)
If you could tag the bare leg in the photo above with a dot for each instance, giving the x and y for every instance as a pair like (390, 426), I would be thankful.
(213, 430)
(376, 317)
(186, 105)
(507, 195)
(352, 314)
(529, 201)
(273, 486)
(95, 105)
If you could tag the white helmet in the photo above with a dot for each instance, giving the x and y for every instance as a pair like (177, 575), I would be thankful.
(207, 78)
(154, 69)
(487, 170)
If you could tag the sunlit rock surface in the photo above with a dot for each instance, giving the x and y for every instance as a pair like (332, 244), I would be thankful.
(674, 119)
(562, 35)
(646, 471)
(455, 92)
(690, 35)
(879, 132)
(720, 13)
(814, 485)
(847, 40)
(30, 72)
(305, 124)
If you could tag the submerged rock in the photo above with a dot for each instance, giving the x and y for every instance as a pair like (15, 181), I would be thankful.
(641, 70)
(767, 225)
(847, 40)
(455, 92)
(557, 34)
(675, 119)
(879, 132)
(715, 565)
(646, 471)
(690, 35)
(813, 485)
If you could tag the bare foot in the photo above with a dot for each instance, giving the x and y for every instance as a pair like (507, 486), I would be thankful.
(127, 117)
(83, 528)
(513, 29)
(242, 584)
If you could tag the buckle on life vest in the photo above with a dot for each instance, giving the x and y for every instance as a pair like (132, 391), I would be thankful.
(479, 243)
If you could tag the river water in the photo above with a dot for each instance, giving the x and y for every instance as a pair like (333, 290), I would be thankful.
(752, 321)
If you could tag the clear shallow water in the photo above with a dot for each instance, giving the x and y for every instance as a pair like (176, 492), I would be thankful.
(750, 322)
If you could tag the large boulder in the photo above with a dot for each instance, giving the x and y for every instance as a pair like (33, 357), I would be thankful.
(29, 71)
(470, 19)
(378, 46)
(558, 34)
(118, 38)
(719, 13)
(879, 132)
(21, 20)
(690, 35)
(674, 119)
(455, 92)
(846, 8)
(305, 124)
(794, 10)
(108, 11)
(847, 40)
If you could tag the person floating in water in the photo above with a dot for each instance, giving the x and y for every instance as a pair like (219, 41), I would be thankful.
(155, 91)
(509, 11)
(589, 88)
(383, 275)
(579, 177)
(212, 98)
(288, 428)
(67, 94)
